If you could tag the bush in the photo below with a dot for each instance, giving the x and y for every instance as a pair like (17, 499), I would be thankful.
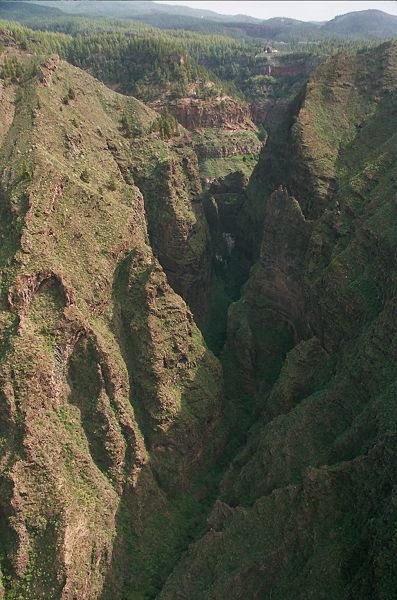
(262, 133)
(112, 186)
(12, 69)
(130, 126)
(85, 176)
(166, 125)
(26, 173)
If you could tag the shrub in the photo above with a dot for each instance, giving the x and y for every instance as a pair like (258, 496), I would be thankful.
(26, 172)
(12, 69)
(85, 176)
(166, 125)
(112, 186)
(130, 126)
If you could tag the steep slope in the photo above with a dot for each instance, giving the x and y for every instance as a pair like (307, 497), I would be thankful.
(308, 508)
(109, 396)
(165, 72)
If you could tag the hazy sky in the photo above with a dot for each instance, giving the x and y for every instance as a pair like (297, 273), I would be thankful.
(305, 11)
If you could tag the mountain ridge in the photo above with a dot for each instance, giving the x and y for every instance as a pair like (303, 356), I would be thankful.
(366, 24)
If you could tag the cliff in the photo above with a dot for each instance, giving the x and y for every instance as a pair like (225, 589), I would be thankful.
(221, 111)
(224, 135)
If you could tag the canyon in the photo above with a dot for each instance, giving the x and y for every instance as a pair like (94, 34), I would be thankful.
(198, 371)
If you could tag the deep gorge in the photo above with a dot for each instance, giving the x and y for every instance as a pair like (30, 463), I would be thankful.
(197, 360)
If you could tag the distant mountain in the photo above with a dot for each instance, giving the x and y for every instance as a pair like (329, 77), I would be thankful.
(20, 10)
(363, 24)
(278, 29)
(143, 10)
(366, 24)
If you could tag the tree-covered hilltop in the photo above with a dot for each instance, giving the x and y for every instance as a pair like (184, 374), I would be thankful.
(142, 62)
(149, 63)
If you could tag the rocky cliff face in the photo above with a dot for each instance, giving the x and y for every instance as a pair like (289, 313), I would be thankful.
(222, 129)
(221, 144)
(223, 112)
(276, 80)
(178, 231)
(136, 464)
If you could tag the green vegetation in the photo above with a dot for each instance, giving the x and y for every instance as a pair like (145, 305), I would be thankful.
(166, 125)
(11, 68)
(156, 63)
(112, 184)
(130, 125)
(221, 153)
(85, 176)
(215, 168)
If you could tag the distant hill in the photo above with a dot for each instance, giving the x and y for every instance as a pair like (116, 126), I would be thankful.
(145, 10)
(362, 24)
(279, 29)
(366, 24)
(20, 10)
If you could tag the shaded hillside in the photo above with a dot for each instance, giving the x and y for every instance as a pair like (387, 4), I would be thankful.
(307, 509)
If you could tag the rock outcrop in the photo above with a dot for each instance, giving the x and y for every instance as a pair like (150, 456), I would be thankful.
(223, 112)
